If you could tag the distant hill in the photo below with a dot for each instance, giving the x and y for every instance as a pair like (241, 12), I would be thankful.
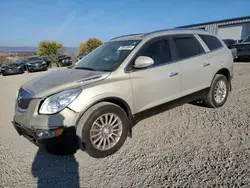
(7, 49)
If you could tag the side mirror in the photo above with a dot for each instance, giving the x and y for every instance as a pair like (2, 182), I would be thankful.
(143, 62)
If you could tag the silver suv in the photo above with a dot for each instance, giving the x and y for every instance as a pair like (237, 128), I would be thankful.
(94, 105)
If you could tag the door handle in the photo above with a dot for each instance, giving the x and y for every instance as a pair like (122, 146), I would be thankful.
(172, 74)
(206, 64)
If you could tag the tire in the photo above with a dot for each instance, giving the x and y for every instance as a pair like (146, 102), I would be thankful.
(87, 122)
(210, 101)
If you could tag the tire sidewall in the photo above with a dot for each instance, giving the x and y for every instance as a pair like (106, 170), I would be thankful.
(216, 80)
(85, 133)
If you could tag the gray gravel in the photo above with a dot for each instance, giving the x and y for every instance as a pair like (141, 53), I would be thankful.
(188, 146)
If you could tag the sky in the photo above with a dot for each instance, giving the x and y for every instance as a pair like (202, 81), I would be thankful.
(27, 22)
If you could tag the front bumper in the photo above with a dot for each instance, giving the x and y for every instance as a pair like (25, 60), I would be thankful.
(10, 71)
(36, 68)
(67, 138)
(66, 63)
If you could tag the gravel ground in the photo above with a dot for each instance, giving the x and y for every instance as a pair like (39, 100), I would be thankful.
(188, 146)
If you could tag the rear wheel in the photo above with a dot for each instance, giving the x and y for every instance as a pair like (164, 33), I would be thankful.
(218, 92)
(103, 129)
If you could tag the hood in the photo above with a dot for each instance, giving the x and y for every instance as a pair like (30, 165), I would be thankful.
(35, 61)
(241, 44)
(62, 79)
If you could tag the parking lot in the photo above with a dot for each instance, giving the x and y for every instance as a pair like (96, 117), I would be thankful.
(188, 146)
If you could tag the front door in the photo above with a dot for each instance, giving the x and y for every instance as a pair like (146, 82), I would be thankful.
(159, 83)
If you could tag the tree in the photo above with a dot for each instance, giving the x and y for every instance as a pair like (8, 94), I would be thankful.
(89, 45)
(51, 49)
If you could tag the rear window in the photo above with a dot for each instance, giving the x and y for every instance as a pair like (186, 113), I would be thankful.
(212, 42)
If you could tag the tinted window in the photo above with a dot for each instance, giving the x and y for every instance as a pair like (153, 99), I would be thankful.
(159, 51)
(187, 47)
(212, 42)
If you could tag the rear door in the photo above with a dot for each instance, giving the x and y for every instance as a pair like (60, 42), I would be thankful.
(159, 83)
(217, 54)
(196, 71)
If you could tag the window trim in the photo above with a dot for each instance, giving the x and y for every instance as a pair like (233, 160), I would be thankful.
(129, 69)
(182, 36)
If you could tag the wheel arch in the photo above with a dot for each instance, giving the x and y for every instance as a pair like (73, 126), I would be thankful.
(118, 101)
(225, 72)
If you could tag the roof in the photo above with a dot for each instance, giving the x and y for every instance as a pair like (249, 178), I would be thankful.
(219, 21)
(140, 36)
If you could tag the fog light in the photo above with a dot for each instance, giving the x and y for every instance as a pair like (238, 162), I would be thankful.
(49, 133)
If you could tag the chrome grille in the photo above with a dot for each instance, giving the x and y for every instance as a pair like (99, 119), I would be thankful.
(23, 98)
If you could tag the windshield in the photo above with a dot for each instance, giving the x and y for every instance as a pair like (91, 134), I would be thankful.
(33, 58)
(247, 39)
(8, 62)
(108, 56)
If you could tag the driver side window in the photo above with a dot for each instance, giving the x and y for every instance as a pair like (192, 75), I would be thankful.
(159, 51)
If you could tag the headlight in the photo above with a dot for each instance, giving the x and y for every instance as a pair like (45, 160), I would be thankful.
(59, 101)
(63, 61)
(28, 64)
(44, 63)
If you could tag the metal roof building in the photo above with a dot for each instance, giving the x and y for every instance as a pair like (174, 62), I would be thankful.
(235, 28)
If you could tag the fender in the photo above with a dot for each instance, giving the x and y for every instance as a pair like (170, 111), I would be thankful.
(118, 101)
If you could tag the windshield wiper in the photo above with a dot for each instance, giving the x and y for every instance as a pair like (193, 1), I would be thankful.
(85, 68)
(105, 70)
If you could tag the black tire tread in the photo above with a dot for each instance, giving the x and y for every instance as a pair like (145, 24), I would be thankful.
(208, 101)
(82, 125)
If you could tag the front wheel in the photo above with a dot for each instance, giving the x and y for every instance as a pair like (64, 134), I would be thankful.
(21, 71)
(103, 129)
(218, 93)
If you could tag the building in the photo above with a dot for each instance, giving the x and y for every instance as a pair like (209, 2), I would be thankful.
(235, 28)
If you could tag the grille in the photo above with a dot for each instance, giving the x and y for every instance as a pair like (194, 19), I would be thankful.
(23, 98)
(34, 65)
(243, 48)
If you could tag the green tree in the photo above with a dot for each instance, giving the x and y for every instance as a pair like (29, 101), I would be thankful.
(51, 49)
(89, 45)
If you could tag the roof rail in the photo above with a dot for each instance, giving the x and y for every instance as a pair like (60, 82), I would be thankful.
(127, 36)
(176, 28)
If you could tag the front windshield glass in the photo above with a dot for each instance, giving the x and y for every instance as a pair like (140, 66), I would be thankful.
(108, 56)
(247, 39)
(34, 58)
